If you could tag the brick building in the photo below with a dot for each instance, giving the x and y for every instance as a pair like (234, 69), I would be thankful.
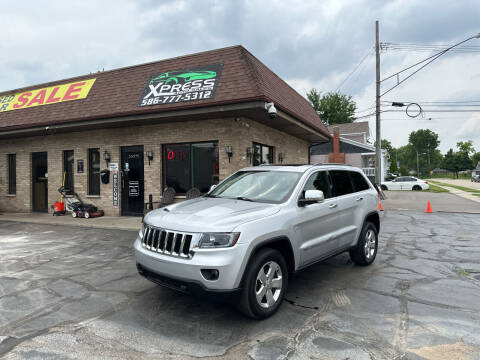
(186, 122)
(350, 146)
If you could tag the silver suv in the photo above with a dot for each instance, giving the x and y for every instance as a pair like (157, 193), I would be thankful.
(245, 239)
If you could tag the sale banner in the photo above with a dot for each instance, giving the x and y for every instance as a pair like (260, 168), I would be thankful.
(46, 96)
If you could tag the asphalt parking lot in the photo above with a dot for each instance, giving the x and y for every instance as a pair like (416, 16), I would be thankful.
(417, 201)
(74, 293)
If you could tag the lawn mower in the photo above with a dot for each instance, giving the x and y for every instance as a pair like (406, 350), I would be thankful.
(77, 207)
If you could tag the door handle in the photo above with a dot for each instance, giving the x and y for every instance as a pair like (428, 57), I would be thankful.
(331, 206)
(359, 199)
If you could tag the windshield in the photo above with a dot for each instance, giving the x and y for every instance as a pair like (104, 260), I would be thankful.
(262, 186)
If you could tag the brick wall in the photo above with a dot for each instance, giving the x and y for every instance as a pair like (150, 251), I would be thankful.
(239, 134)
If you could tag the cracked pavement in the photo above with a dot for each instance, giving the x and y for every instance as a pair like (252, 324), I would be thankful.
(75, 293)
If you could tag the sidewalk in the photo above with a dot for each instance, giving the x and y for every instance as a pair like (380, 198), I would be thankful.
(103, 222)
(461, 193)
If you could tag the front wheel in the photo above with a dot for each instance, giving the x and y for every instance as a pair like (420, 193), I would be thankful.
(87, 215)
(265, 283)
(74, 214)
(365, 251)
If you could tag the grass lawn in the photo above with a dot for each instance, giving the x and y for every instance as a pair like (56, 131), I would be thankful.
(476, 194)
(436, 189)
(470, 190)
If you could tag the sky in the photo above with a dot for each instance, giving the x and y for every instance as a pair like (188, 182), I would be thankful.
(310, 44)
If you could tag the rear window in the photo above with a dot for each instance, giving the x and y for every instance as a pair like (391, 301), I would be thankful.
(341, 182)
(359, 182)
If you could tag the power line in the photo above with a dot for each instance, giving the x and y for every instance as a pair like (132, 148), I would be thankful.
(430, 59)
(370, 52)
(427, 47)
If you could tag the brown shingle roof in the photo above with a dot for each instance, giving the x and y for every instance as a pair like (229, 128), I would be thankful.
(116, 92)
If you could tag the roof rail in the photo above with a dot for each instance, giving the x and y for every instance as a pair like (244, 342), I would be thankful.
(326, 164)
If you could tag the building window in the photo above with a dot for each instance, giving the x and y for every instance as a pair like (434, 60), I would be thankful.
(68, 164)
(191, 165)
(93, 172)
(262, 154)
(12, 174)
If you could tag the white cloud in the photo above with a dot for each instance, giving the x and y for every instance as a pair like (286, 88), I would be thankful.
(308, 43)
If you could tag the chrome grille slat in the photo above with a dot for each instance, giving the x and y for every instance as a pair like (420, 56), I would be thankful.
(182, 243)
(171, 243)
(174, 241)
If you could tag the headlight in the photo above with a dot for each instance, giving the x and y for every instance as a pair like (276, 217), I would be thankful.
(218, 240)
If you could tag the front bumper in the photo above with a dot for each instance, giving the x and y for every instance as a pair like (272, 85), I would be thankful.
(186, 274)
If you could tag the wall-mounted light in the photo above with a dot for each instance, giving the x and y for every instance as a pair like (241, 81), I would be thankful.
(281, 157)
(229, 151)
(149, 156)
(106, 157)
(250, 153)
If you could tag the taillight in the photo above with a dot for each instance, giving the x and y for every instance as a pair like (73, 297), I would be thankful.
(426, 182)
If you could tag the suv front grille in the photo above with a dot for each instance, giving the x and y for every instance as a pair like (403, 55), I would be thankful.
(167, 242)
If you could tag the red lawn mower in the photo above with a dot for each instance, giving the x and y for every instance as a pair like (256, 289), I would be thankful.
(77, 207)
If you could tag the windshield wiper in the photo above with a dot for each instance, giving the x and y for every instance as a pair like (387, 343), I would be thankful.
(244, 198)
(210, 195)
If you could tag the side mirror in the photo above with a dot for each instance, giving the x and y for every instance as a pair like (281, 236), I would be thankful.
(311, 197)
(212, 187)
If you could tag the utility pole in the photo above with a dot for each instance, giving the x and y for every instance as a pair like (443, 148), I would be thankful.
(378, 150)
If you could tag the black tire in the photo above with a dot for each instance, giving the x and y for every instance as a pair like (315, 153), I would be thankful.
(249, 305)
(416, 188)
(383, 187)
(359, 253)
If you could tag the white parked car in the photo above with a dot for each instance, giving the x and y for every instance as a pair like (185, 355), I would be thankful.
(405, 183)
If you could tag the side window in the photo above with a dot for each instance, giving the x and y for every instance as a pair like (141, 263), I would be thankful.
(341, 182)
(319, 181)
(359, 182)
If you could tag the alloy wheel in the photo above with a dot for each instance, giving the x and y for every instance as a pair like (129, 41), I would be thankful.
(268, 285)
(370, 244)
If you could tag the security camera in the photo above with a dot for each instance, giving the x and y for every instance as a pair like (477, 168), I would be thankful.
(272, 111)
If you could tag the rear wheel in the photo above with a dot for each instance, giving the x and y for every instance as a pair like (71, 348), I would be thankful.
(383, 187)
(74, 214)
(417, 188)
(366, 250)
(87, 215)
(265, 283)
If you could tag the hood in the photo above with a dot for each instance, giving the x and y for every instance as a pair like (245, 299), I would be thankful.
(209, 214)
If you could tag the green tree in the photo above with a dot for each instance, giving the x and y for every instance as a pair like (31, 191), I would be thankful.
(314, 97)
(425, 142)
(403, 170)
(450, 162)
(387, 145)
(466, 147)
(457, 161)
(333, 107)
(475, 159)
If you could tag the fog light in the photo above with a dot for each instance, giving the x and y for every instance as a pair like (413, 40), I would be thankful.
(210, 274)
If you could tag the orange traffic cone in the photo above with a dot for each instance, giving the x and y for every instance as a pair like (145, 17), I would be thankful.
(380, 206)
(429, 208)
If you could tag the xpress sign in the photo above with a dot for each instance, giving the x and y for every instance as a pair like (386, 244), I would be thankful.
(181, 85)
